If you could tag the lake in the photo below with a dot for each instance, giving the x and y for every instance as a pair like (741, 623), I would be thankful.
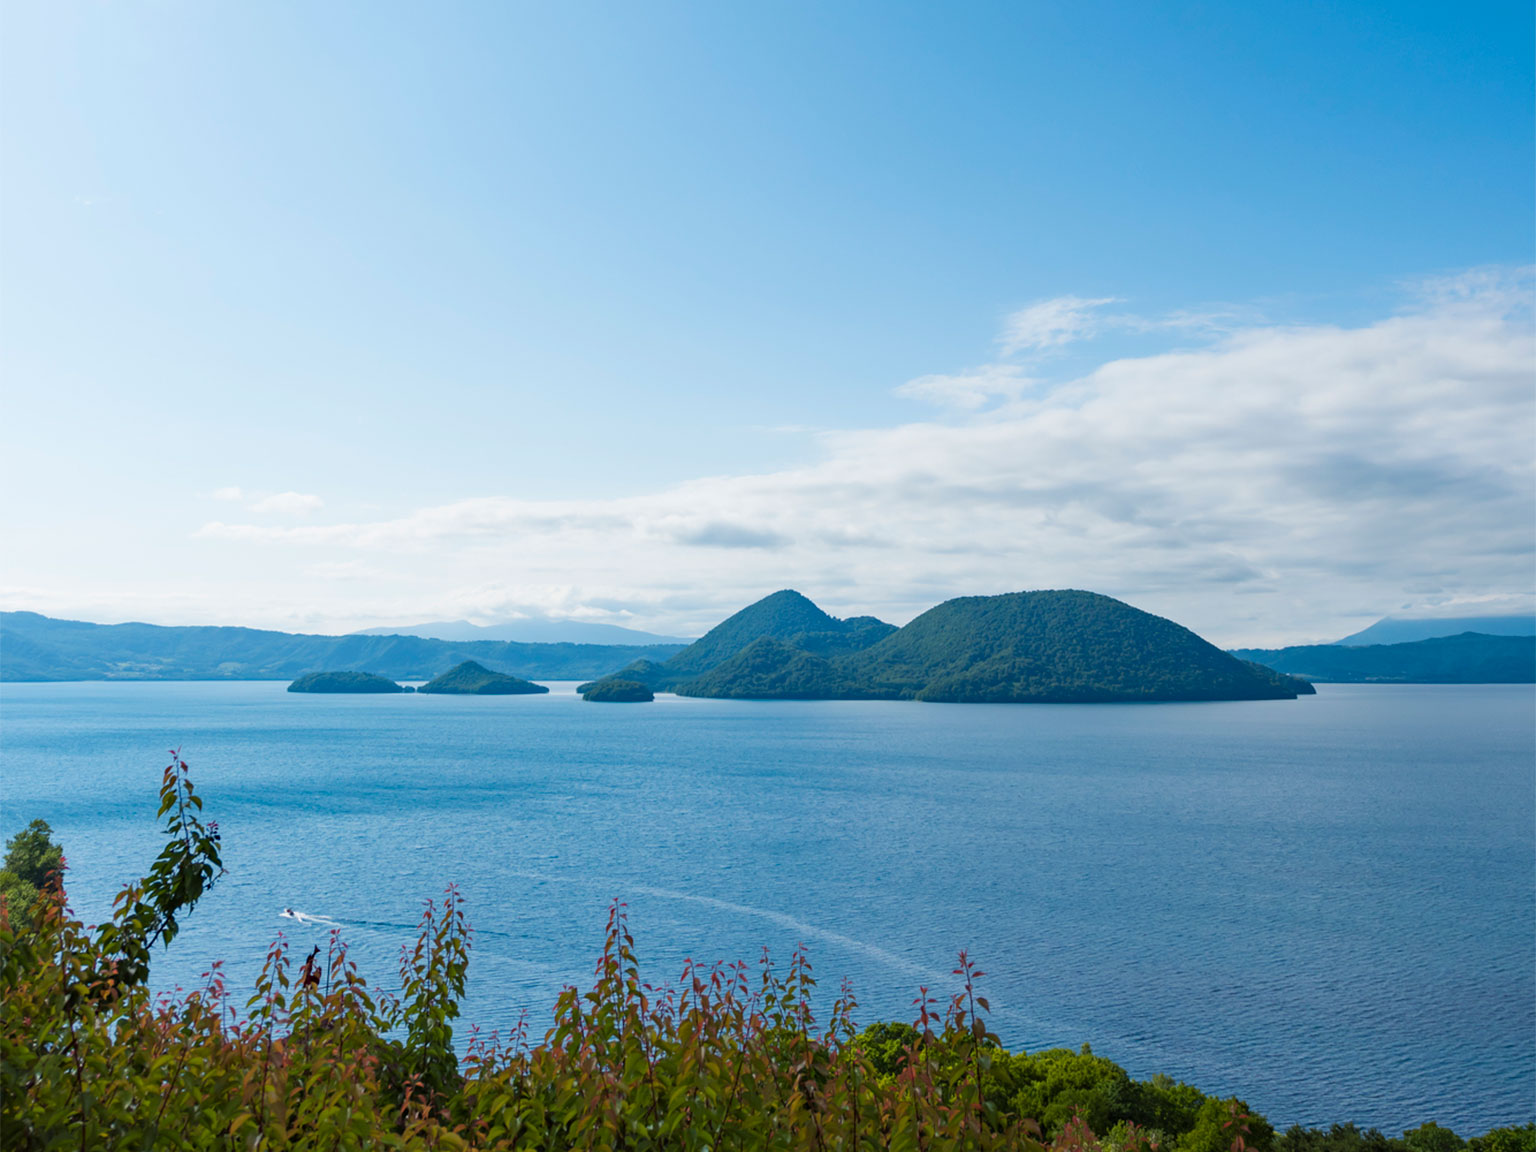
(1326, 906)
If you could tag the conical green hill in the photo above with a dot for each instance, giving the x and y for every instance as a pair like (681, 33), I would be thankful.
(472, 679)
(1066, 646)
(781, 615)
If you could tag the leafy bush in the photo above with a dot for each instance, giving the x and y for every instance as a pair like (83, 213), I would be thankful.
(31, 857)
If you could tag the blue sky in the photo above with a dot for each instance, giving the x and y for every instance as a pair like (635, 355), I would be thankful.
(331, 316)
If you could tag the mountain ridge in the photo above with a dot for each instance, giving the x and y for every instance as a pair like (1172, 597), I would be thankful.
(528, 632)
(1406, 629)
(1469, 658)
(34, 647)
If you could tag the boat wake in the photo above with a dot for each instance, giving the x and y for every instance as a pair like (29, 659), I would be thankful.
(389, 926)
(309, 918)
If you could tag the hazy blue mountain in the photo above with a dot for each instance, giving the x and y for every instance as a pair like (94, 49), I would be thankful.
(34, 647)
(1470, 658)
(1402, 630)
(528, 632)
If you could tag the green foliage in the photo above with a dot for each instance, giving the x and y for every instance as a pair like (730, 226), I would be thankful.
(1521, 1139)
(16, 892)
(146, 913)
(615, 691)
(344, 682)
(1339, 1138)
(472, 679)
(887, 1045)
(1219, 1124)
(1430, 1137)
(31, 859)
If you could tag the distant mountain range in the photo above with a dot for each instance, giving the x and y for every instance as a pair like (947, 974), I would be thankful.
(34, 647)
(1403, 630)
(528, 632)
(1024, 647)
(1470, 658)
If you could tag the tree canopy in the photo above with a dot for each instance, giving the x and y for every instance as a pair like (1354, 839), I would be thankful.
(31, 858)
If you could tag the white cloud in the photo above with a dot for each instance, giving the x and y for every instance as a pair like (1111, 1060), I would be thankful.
(231, 493)
(1049, 324)
(1282, 483)
(288, 504)
(969, 390)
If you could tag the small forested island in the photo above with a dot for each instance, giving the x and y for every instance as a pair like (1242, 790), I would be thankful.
(618, 692)
(345, 682)
(1049, 647)
(472, 679)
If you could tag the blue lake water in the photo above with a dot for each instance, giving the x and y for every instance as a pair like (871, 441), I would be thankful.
(1327, 906)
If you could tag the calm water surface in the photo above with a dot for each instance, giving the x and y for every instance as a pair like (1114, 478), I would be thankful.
(1327, 906)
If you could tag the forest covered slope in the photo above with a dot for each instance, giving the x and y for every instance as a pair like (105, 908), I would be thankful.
(1022, 647)
(34, 647)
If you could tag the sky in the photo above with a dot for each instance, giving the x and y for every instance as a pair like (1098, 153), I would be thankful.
(327, 317)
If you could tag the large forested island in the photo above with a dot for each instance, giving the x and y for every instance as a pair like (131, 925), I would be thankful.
(331, 682)
(1024, 647)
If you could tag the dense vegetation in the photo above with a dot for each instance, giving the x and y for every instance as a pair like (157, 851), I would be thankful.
(782, 615)
(730, 1057)
(1470, 658)
(619, 692)
(785, 615)
(472, 679)
(31, 857)
(40, 648)
(1036, 647)
(345, 682)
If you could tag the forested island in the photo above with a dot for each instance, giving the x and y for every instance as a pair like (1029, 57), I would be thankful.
(1023, 647)
(363, 682)
(472, 679)
(618, 692)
